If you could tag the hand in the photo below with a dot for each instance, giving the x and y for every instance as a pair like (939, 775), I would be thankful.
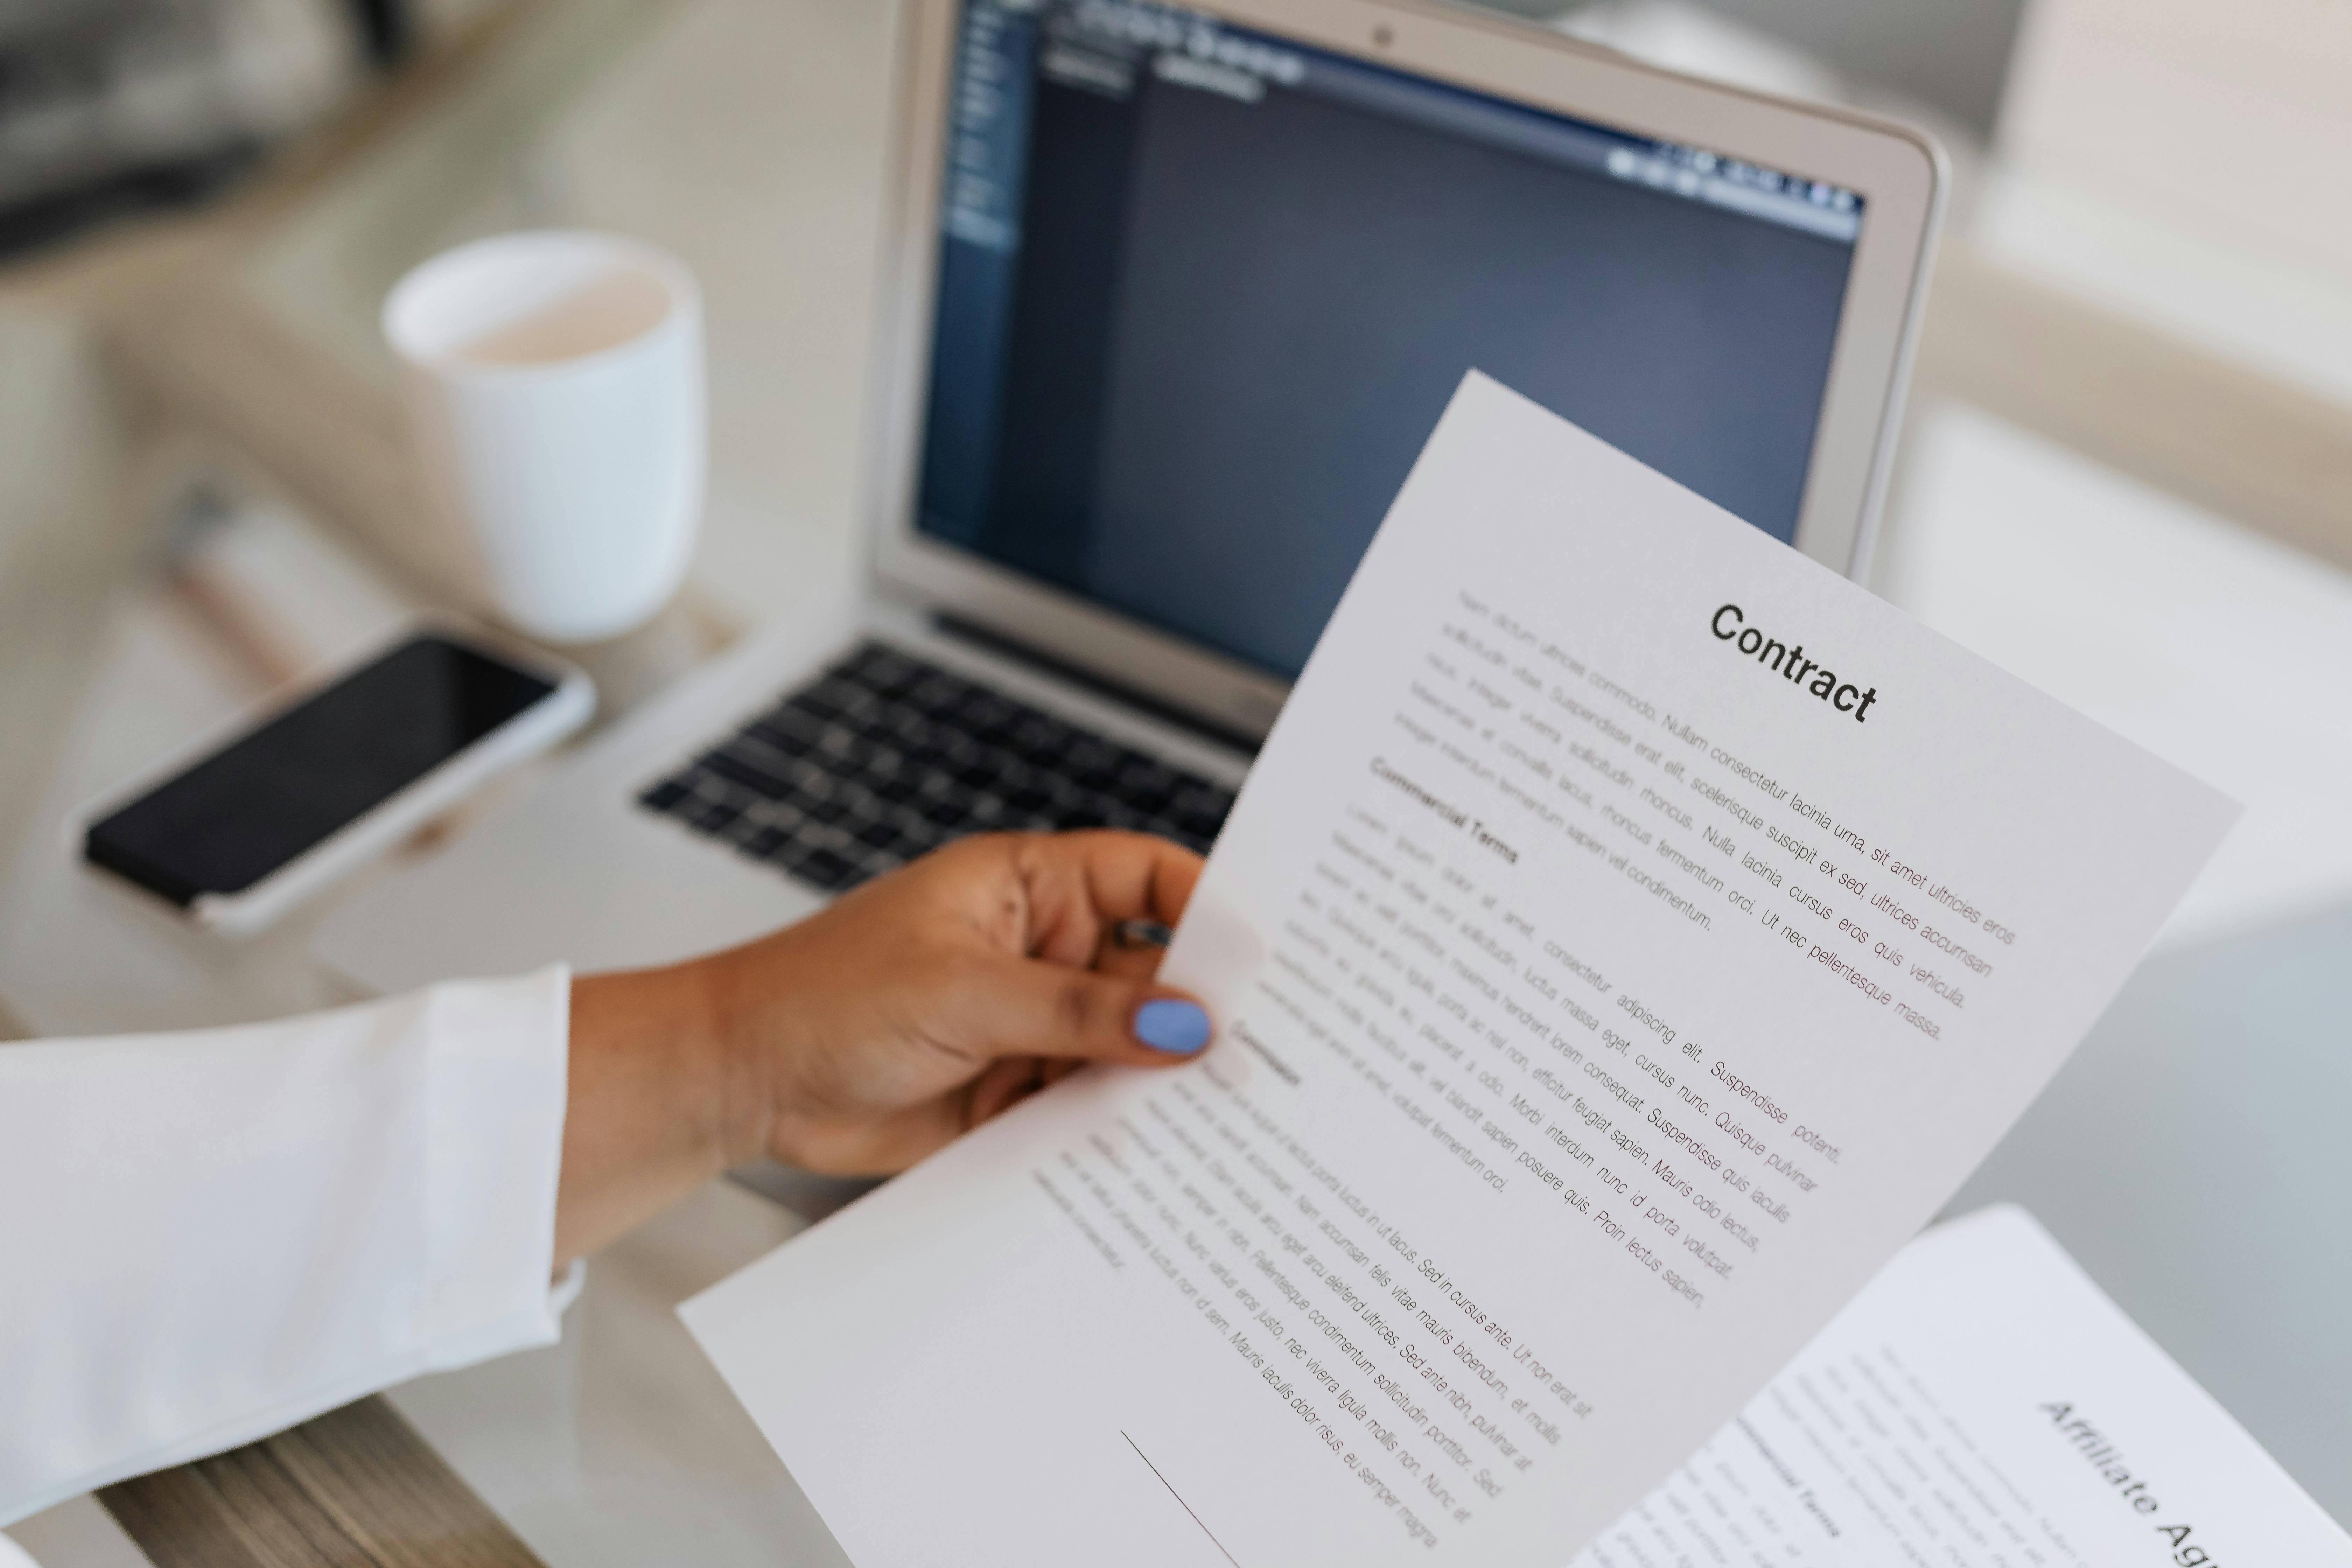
(867, 1035)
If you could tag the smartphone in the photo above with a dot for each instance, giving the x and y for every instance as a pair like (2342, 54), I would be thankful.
(341, 772)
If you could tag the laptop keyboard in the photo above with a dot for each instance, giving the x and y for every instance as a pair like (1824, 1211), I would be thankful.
(885, 756)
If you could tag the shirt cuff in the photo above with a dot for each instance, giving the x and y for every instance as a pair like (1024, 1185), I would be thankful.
(500, 1057)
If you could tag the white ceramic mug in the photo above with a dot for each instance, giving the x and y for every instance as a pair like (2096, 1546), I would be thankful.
(554, 384)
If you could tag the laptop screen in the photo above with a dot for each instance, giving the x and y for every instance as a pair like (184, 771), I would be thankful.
(1203, 293)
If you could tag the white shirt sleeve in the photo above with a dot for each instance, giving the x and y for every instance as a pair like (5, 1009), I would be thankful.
(208, 1236)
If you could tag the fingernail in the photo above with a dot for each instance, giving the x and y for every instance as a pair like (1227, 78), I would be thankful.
(1175, 1026)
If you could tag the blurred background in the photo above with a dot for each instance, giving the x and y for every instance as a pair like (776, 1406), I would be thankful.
(2125, 473)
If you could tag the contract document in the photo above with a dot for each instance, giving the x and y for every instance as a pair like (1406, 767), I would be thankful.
(1980, 1402)
(1629, 935)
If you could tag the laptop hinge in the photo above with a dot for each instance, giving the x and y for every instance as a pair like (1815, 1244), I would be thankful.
(1167, 712)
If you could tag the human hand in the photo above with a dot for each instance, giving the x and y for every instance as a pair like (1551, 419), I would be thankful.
(869, 1035)
(926, 1002)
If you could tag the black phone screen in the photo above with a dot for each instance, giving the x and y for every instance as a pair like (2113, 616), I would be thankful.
(270, 795)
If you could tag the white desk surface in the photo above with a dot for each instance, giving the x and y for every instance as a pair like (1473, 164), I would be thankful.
(616, 1448)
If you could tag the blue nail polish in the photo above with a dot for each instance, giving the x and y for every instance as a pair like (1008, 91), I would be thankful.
(1168, 1024)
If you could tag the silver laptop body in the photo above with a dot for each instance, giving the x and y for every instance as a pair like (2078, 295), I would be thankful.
(1173, 296)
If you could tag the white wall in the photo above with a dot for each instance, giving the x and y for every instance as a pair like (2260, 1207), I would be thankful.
(2233, 116)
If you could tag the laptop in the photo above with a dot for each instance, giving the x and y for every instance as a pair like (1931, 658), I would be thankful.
(1175, 297)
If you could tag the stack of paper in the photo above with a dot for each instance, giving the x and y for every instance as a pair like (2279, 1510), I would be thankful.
(1630, 933)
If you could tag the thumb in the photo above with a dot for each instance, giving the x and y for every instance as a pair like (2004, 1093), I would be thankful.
(1033, 1008)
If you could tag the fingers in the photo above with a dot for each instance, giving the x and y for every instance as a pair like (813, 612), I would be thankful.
(1032, 1007)
(1084, 996)
(1082, 885)
(1000, 1084)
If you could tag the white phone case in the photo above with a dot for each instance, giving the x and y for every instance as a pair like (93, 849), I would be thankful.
(529, 734)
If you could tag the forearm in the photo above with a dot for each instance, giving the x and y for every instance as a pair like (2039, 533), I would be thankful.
(860, 1040)
(646, 1120)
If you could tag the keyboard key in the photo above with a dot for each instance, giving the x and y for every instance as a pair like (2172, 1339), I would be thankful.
(788, 734)
(827, 870)
(1198, 825)
(741, 771)
(664, 795)
(713, 816)
(764, 843)
(1029, 800)
(947, 814)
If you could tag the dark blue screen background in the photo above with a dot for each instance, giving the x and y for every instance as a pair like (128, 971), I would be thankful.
(1188, 345)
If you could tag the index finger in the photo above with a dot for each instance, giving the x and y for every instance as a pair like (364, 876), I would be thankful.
(1081, 884)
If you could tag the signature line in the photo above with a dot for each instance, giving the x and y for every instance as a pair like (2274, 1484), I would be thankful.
(1181, 1502)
